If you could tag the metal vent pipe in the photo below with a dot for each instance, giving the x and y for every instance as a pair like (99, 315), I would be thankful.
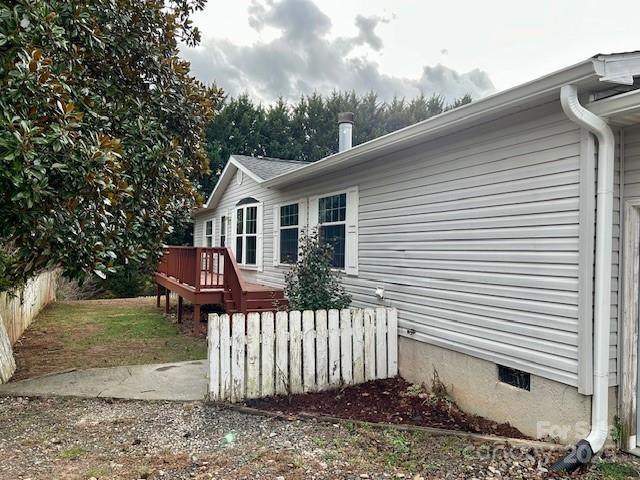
(345, 131)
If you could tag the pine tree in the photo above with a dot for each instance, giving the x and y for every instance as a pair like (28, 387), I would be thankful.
(307, 130)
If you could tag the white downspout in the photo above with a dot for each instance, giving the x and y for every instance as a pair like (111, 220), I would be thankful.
(604, 229)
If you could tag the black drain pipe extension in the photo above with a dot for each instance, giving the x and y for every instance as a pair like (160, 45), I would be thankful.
(587, 448)
(579, 456)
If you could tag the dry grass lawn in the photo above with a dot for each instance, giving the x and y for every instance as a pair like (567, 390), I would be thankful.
(102, 333)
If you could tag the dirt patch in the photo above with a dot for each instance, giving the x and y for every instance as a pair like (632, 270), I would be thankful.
(392, 400)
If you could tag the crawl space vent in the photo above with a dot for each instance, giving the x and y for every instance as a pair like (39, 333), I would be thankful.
(515, 378)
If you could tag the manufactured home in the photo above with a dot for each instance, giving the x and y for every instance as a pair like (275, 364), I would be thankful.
(505, 232)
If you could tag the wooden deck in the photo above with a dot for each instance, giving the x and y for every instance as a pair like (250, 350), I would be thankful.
(210, 276)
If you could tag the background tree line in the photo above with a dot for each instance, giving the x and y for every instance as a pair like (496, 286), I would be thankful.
(307, 129)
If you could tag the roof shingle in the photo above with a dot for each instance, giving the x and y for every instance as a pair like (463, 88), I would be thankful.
(268, 167)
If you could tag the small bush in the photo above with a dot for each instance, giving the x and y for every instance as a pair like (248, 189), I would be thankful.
(91, 287)
(312, 283)
(129, 280)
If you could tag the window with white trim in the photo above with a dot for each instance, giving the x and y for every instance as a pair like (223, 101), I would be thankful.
(332, 225)
(289, 221)
(208, 233)
(289, 233)
(335, 215)
(223, 231)
(247, 227)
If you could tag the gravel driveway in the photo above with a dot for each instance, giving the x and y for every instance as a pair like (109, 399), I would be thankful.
(63, 438)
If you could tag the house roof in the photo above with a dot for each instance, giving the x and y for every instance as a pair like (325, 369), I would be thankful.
(260, 169)
(266, 168)
(602, 72)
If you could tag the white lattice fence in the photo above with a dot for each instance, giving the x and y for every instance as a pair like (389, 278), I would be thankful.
(265, 354)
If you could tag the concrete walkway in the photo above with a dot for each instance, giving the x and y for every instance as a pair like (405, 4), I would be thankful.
(168, 381)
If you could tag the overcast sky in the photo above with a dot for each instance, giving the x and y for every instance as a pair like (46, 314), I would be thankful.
(272, 48)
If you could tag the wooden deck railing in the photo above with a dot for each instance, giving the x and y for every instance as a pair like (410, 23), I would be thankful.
(205, 268)
(234, 283)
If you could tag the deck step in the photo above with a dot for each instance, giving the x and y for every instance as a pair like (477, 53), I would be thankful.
(260, 295)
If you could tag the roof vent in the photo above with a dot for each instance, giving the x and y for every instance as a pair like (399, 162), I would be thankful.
(345, 131)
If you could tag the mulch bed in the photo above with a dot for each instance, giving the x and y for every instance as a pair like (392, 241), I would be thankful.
(392, 400)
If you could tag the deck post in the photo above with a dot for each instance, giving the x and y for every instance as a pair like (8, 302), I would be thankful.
(196, 319)
(198, 267)
(158, 291)
(166, 301)
(179, 309)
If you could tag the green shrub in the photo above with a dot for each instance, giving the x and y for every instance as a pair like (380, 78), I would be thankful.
(129, 280)
(312, 283)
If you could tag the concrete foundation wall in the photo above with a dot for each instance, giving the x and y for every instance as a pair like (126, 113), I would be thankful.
(549, 409)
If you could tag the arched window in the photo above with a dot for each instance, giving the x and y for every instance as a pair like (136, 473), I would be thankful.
(248, 230)
(246, 201)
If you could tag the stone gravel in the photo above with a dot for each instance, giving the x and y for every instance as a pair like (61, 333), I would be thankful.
(63, 438)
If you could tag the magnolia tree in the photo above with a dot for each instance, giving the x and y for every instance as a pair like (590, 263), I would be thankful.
(313, 283)
(101, 132)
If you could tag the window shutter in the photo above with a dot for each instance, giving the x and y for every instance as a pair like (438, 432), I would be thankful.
(231, 242)
(313, 213)
(213, 231)
(303, 220)
(351, 260)
(260, 236)
(276, 235)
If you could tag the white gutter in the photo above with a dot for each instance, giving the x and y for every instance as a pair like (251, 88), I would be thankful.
(604, 227)
(622, 109)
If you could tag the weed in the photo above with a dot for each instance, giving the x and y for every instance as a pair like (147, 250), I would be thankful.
(438, 388)
(72, 453)
(617, 431)
(431, 467)
(350, 427)
(415, 390)
(453, 444)
(97, 472)
(399, 443)
(320, 442)
(616, 471)
(329, 457)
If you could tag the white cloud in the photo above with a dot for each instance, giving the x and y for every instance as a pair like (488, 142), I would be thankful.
(304, 58)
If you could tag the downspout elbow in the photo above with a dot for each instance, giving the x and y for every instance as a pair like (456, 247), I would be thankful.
(596, 439)
(597, 126)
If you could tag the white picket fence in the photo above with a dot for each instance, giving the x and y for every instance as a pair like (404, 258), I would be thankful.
(265, 354)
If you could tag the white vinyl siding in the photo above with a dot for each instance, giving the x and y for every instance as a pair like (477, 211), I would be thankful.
(226, 207)
(632, 162)
(474, 237)
(198, 232)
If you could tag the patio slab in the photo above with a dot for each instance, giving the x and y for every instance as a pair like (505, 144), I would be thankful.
(183, 381)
